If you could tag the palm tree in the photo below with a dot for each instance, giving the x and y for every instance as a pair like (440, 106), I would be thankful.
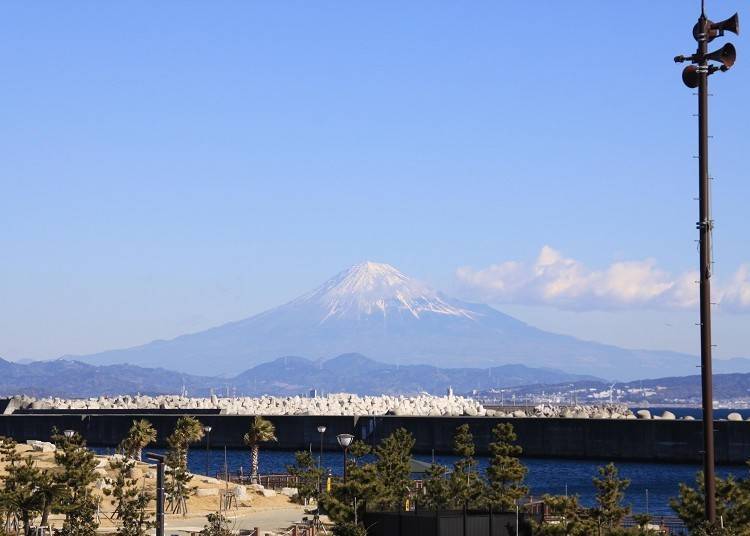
(141, 433)
(261, 431)
(187, 430)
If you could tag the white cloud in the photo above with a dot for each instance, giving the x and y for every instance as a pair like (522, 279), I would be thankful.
(736, 295)
(553, 279)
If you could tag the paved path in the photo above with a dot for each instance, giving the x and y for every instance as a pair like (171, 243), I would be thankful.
(268, 520)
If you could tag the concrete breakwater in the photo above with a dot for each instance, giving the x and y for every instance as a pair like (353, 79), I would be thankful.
(333, 405)
(663, 440)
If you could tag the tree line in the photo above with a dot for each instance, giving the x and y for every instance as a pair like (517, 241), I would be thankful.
(379, 479)
(31, 494)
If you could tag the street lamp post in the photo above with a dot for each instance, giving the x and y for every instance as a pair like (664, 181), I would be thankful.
(696, 76)
(321, 431)
(344, 441)
(207, 430)
(159, 459)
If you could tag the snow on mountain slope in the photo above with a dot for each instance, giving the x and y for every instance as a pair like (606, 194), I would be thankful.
(373, 288)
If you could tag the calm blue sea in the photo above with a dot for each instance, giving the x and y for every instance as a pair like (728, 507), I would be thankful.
(545, 476)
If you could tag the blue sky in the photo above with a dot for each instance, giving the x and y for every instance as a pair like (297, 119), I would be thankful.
(171, 166)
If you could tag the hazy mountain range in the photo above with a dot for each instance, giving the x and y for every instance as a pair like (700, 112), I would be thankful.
(290, 376)
(682, 390)
(284, 376)
(375, 310)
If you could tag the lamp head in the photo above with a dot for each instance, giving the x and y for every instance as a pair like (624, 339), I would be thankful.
(69, 433)
(321, 429)
(345, 440)
(207, 429)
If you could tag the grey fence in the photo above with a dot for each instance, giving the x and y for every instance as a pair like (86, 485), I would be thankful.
(446, 523)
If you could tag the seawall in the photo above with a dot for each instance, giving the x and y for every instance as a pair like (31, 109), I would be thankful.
(616, 440)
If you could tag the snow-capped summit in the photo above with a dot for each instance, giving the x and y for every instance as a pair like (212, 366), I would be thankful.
(375, 288)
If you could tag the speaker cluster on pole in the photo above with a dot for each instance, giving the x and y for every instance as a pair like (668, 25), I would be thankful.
(704, 32)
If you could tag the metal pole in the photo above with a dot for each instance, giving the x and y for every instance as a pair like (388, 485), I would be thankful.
(490, 520)
(345, 450)
(320, 456)
(208, 450)
(159, 459)
(704, 227)
(160, 498)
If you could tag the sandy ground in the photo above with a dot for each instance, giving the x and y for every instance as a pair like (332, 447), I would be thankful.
(270, 514)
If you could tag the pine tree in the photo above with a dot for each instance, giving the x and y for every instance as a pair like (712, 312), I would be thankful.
(8, 452)
(11, 458)
(393, 467)
(349, 529)
(467, 487)
(384, 484)
(129, 499)
(437, 493)
(218, 525)
(308, 475)
(141, 433)
(20, 493)
(187, 430)
(610, 492)
(77, 502)
(358, 450)
(568, 518)
(261, 431)
(50, 492)
(505, 472)
(732, 505)
(362, 486)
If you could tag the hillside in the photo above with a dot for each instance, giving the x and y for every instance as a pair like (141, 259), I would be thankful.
(285, 376)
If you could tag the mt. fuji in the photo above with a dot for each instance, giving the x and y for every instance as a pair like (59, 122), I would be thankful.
(375, 310)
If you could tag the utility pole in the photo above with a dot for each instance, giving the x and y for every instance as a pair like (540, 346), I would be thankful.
(696, 76)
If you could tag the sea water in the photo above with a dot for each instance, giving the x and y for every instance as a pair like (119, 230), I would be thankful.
(651, 484)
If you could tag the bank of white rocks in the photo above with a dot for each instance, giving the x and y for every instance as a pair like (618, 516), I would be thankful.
(334, 404)
(344, 404)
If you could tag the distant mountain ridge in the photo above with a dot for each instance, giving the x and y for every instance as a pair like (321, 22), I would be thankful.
(729, 389)
(354, 373)
(376, 310)
(286, 376)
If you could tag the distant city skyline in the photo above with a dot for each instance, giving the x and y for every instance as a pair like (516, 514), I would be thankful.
(172, 167)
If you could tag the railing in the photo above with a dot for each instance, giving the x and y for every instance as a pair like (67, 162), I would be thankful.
(672, 525)
(267, 481)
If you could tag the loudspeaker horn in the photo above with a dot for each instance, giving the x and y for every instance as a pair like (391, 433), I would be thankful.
(726, 55)
(690, 76)
(716, 29)
(732, 24)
